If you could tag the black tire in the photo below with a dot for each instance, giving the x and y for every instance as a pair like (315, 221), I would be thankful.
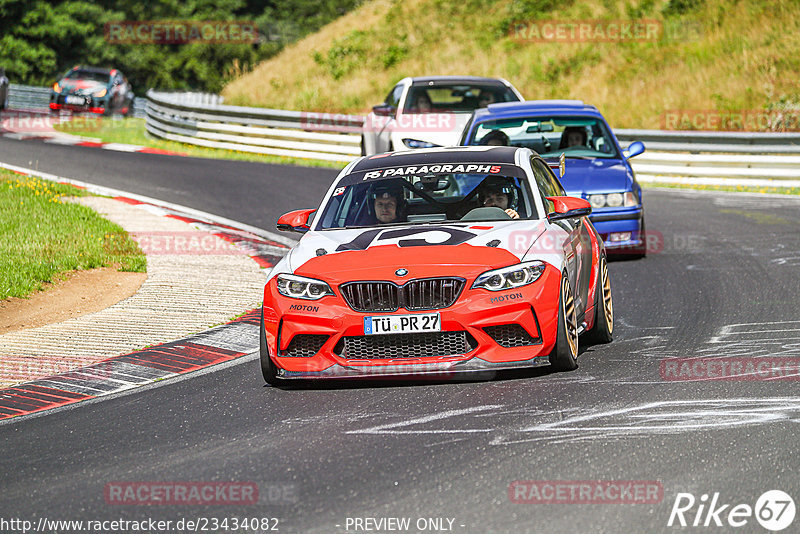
(268, 368)
(565, 354)
(603, 329)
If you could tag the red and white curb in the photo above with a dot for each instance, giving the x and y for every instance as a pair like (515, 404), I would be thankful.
(217, 345)
(37, 125)
(73, 140)
(224, 343)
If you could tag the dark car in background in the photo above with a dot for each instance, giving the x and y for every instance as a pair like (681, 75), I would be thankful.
(93, 89)
(3, 89)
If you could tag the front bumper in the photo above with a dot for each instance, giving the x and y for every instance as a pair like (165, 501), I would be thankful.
(616, 221)
(500, 330)
(58, 101)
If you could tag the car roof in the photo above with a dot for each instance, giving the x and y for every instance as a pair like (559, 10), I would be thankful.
(434, 80)
(430, 156)
(535, 107)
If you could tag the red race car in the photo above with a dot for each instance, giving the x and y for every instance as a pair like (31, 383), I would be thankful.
(436, 261)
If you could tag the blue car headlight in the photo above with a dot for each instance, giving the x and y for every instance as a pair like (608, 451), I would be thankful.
(510, 277)
(625, 199)
(300, 287)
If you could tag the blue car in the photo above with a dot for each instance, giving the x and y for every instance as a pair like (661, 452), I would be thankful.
(597, 168)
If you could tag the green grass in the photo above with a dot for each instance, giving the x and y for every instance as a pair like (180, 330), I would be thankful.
(42, 237)
(132, 132)
(731, 188)
(715, 56)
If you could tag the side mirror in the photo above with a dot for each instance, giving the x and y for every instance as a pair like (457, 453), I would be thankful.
(384, 110)
(568, 208)
(295, 221)
(634, 149)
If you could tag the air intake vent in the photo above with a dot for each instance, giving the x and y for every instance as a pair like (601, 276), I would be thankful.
(415, 295)
(511, 335)
(392, 346)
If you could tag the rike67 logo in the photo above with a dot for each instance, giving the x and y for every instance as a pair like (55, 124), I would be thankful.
(774, 510)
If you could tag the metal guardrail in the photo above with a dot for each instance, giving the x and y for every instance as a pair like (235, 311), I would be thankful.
(202, 120)
(696, 141)
(31, 98)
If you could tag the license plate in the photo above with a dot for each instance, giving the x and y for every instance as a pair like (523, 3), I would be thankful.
(402, 324)
(75, 100)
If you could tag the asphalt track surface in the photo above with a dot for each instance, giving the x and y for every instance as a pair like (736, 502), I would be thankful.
(724, 285)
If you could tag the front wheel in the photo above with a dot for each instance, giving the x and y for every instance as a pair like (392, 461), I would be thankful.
(565, 354)
(268, 369)
(603, 329)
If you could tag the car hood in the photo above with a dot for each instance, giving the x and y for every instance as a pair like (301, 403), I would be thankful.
(589, 176)
(424, 250)
(81, 87)
(442, 129)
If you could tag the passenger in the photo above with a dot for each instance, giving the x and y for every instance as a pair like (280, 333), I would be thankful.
(495, 138)
(486, 98)
(498, 193)
(573, 136)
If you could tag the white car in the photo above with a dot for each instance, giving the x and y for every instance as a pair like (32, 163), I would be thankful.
(430, 111)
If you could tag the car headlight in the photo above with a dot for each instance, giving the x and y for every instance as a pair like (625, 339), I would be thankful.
(614, 200)
(300, 287)
(416, 143)
(56, 88)
(511, 277)
(101, 93)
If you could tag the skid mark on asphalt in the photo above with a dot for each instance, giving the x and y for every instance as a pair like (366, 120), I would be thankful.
(660, 418)
(502, 424)
(771, 332)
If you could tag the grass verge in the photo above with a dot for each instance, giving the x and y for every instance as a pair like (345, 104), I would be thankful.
(42, 237)
(132, 132)
(731, 188)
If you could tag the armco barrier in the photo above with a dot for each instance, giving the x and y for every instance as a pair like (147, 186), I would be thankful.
(696, 141)
(202, 120)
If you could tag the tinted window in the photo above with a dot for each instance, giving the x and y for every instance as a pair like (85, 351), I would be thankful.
(455, 98)
(87, 75)
(575, 136)
(429, 198)
(393, 98)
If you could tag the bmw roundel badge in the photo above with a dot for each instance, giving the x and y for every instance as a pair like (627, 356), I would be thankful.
(401, 272)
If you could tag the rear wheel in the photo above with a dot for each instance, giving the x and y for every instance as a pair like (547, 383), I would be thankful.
(565, 354)
(268, 369)
(603, 329)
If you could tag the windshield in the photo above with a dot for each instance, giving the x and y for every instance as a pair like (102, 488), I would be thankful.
(430, 198)
(87, 75)
(455, 98)
(575, 136)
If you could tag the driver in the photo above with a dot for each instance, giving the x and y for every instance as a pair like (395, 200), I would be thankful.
(498, 193)
(389, 204)
(573, 136)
